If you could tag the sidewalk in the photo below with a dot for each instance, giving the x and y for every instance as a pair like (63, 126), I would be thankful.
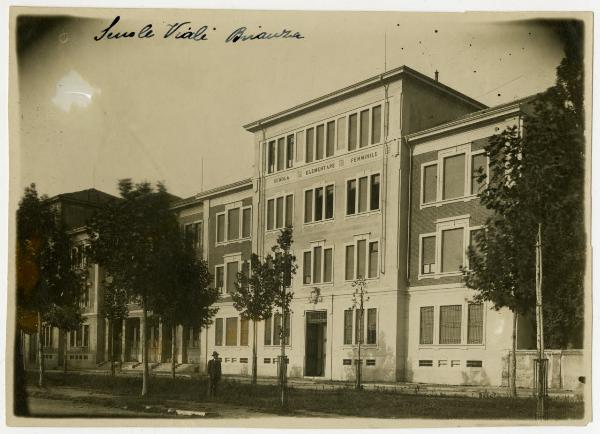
(403, 388)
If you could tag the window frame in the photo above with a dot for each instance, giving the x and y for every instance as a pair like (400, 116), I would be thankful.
(200, 223)
(466, 150)
(464, 303)
(311, 250)
(367, 258)
(287, 159)
(272, 328)
(353, 327)
(369, 175)
(313, 188)
(282, 195)
(217, 215)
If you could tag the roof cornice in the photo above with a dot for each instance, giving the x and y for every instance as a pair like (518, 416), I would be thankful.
(358, 87)
(217, 191)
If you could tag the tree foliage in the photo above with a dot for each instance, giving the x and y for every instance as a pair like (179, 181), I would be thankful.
(537, 176)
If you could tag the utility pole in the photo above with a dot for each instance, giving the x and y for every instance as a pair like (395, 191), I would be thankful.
(541, 378)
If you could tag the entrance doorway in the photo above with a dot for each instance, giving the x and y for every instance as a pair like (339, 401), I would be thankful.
(316, 340)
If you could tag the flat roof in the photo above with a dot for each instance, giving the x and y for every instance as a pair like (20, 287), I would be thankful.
(355, 88)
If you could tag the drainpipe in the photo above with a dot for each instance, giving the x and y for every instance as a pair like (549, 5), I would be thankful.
(384, 181)
(331, 343)
(409, 214)
(260, 234)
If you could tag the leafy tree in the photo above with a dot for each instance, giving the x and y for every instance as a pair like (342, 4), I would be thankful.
(114, 310)
(65, 319)
(47, 283)
(185, 296)
(283, 263)
(126, 238)
(536, 180)
(254, 299)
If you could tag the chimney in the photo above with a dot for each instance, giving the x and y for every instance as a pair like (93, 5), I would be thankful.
(436, 75)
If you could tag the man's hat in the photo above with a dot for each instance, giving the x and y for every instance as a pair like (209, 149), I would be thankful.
(215, 354)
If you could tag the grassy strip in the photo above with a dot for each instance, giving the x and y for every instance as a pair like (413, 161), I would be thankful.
(347, 402)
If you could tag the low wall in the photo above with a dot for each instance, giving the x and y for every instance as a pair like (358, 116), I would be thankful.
(565, 367)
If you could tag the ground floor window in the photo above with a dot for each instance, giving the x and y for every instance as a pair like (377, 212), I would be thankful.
(231, 331)
(244, 332)
(219, 331)
(475, 323)
(273, 329)
(426, 325)
(194, 337)
(47, 336)
(80, 337)
(450, 324)
(352, 323)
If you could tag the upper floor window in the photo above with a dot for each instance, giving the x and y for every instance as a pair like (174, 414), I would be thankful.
(317, 265)
(193, 234)
(80, 255)
(364, 128)
(445, 251)
(280, 212)
(226, 274)
(454, 175)
(234, 224)
(318, 204)
(362, 259)
(280, 153)
(362, 194)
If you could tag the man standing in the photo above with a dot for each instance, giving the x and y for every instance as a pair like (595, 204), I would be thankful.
(214, 374)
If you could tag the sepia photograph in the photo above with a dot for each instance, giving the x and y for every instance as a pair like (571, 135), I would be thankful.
(295, 218)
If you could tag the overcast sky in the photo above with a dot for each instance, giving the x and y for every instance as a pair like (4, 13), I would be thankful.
(151, 109)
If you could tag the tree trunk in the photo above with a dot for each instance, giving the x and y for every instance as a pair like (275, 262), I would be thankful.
(173, 349)
(360, 334)
(282, 362)
(254, 357)
(40, 351)
(64, 332)
(146, 371)
(513, 361)
(111, 346)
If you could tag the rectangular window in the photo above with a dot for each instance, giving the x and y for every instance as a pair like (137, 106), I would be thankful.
(452, 250)
(268, 331)
(330, 142)
(425, 363)
(362, 193)
(232, 270)
(244, 332)
(329, 202)
(359, 326)
(246, 222)
(375, 192)
(317, 264)
(220, 228)
(352, 132)
(364, 128)
(277, 329)
(349, 262)
(288, 321)
(319, 204)
(373, 259)
(300, 146)
(341, 133)
(308, 206)
(219, 277)
(233, 224)
(474, 235)
(194, 337)
(320, 142)
(193, 236)
(478, 168)
(361, 258)
(219, 331)
(475, 324)
(289, 152)
(271, 157)
(310, 144)
(429, 183)
(289, 210)
(376, 124)
(474, 363)
(348, 327)
(428, 255)
(328, 265)
(426, 326)
(280, 154)
(270, 214)
(351, 197)
(371, 326)
(307, 268)
(450, 323)
(86, 335)
(279, 212)
(231, 331)
(454, 177)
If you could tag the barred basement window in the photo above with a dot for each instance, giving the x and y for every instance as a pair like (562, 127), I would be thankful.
(266, 360)
(347, 362)
(243, 359)
(423, 363)
(370, 362)
(474, 363)
(454, 363)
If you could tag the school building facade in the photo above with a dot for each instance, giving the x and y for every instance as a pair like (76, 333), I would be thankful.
(379, 181)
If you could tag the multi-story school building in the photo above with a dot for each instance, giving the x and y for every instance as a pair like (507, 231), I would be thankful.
(379, 181)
